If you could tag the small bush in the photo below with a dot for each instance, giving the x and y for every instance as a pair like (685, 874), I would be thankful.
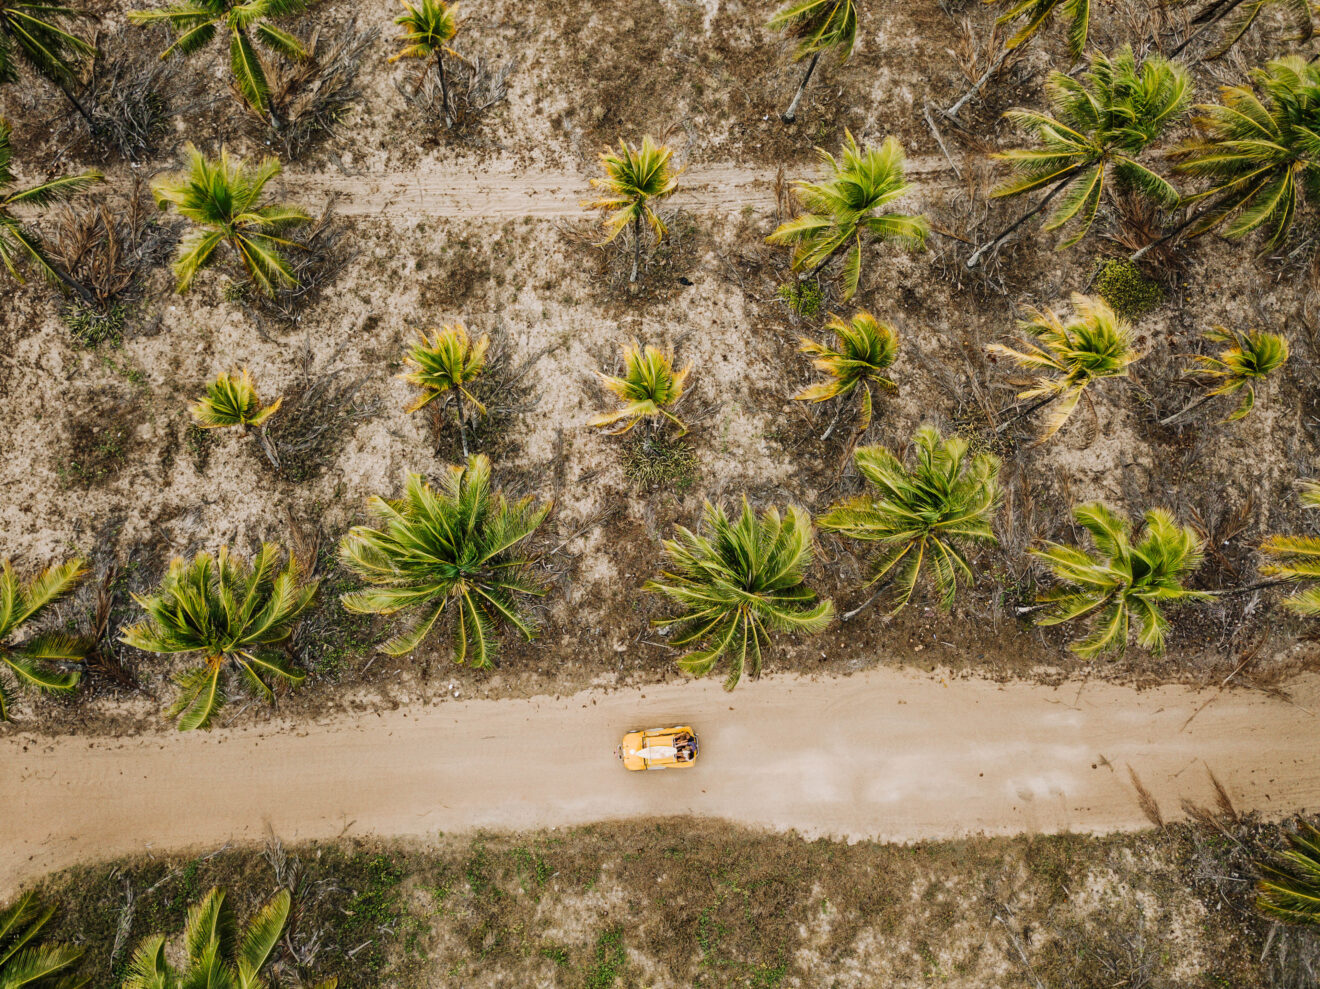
(655, 464)
(1126, 288)
(91, 326)
(802, 297)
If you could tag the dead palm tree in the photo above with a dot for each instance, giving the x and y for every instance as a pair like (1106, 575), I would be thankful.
(819, 26)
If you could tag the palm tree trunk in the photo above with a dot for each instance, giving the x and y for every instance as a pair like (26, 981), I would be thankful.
(637, 245)
(984, 249)
(1191, 408)
(462, 426)
(1039, 404)
(790, 115)
(1215, 13)
(444, 88)
(77, 105)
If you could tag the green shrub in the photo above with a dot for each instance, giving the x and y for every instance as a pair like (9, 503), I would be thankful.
(92, 326)
(802, 297)
(1126, 288)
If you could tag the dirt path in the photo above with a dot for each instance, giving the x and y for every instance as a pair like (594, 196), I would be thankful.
(499, 191)
(884, 754)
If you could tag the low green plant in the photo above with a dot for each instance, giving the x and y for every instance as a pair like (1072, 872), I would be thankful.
(232, 614)
(232, 400)
(738, 582)
(48, 661)
(1123, 285)
(803, 297)
(91, 325)
(661, 463)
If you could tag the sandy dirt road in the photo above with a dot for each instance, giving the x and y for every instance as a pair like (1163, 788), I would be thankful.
(499, 191)
(884, 754)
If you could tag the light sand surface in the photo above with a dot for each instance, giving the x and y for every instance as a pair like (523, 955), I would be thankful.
(886, 754)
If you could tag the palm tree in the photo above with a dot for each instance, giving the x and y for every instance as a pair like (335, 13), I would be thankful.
(40, 35)
(634, 179)
(1289, 887)
(453, 549)
(923, 514)
(231, 400)
(1100, 126)
(223, 198)
(193, 24)
(649, 388)
(1246, 359)
(47, 661)
(24, 962)
(428, 31)
(865, 348)
(1298, 559)
(820, 25)
(230, 613)
(1259, 155)
(18, 243)
(1120, 582)
(217, 955)
(847, 202)
(448, 361)
(736, 584)
(1036, 13)
(1092, 344)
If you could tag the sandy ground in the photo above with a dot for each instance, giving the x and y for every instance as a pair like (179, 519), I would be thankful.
(888, 755)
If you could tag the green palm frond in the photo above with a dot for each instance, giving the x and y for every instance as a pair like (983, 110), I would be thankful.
(453, 549)
(232, 400)
(1289, 886)
(47, 662)
(1121, 584)
(649, 387)
(847, 203)
(819, 25)
(1260, 156)
(428, 29)
(1034, 14)
(194, 24)
(925, 516)
(1100, 126)
(43, 36)
(448, 361)
(223, 198)
(217, 954)
(634, 179)
(1298, 559)
(233, 614)
(864, 348)
(1247, 359)
(1093, 343)
(27, 963)
(19, 244)
(736, 583)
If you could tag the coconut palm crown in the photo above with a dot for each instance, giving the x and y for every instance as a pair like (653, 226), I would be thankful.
(232, 400)
(1098, 129)
(1260, 154)
(1289, 885)
(864, 349)
(233, 615)
(193, 24)
(447, 362)
(223, 199)
(216, 953)
(1247, 359)
(736, 584)
(26, 963)
(428, 29)
(1093, 343)
(634, 180)
(1297, 559)
(48, 661)
(818, 26)
(847, 203)
(924, 516)
(40, 35)
(454, 549)
(1035, 14)
(19, 243)
(1122, 582)
(649, 388)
